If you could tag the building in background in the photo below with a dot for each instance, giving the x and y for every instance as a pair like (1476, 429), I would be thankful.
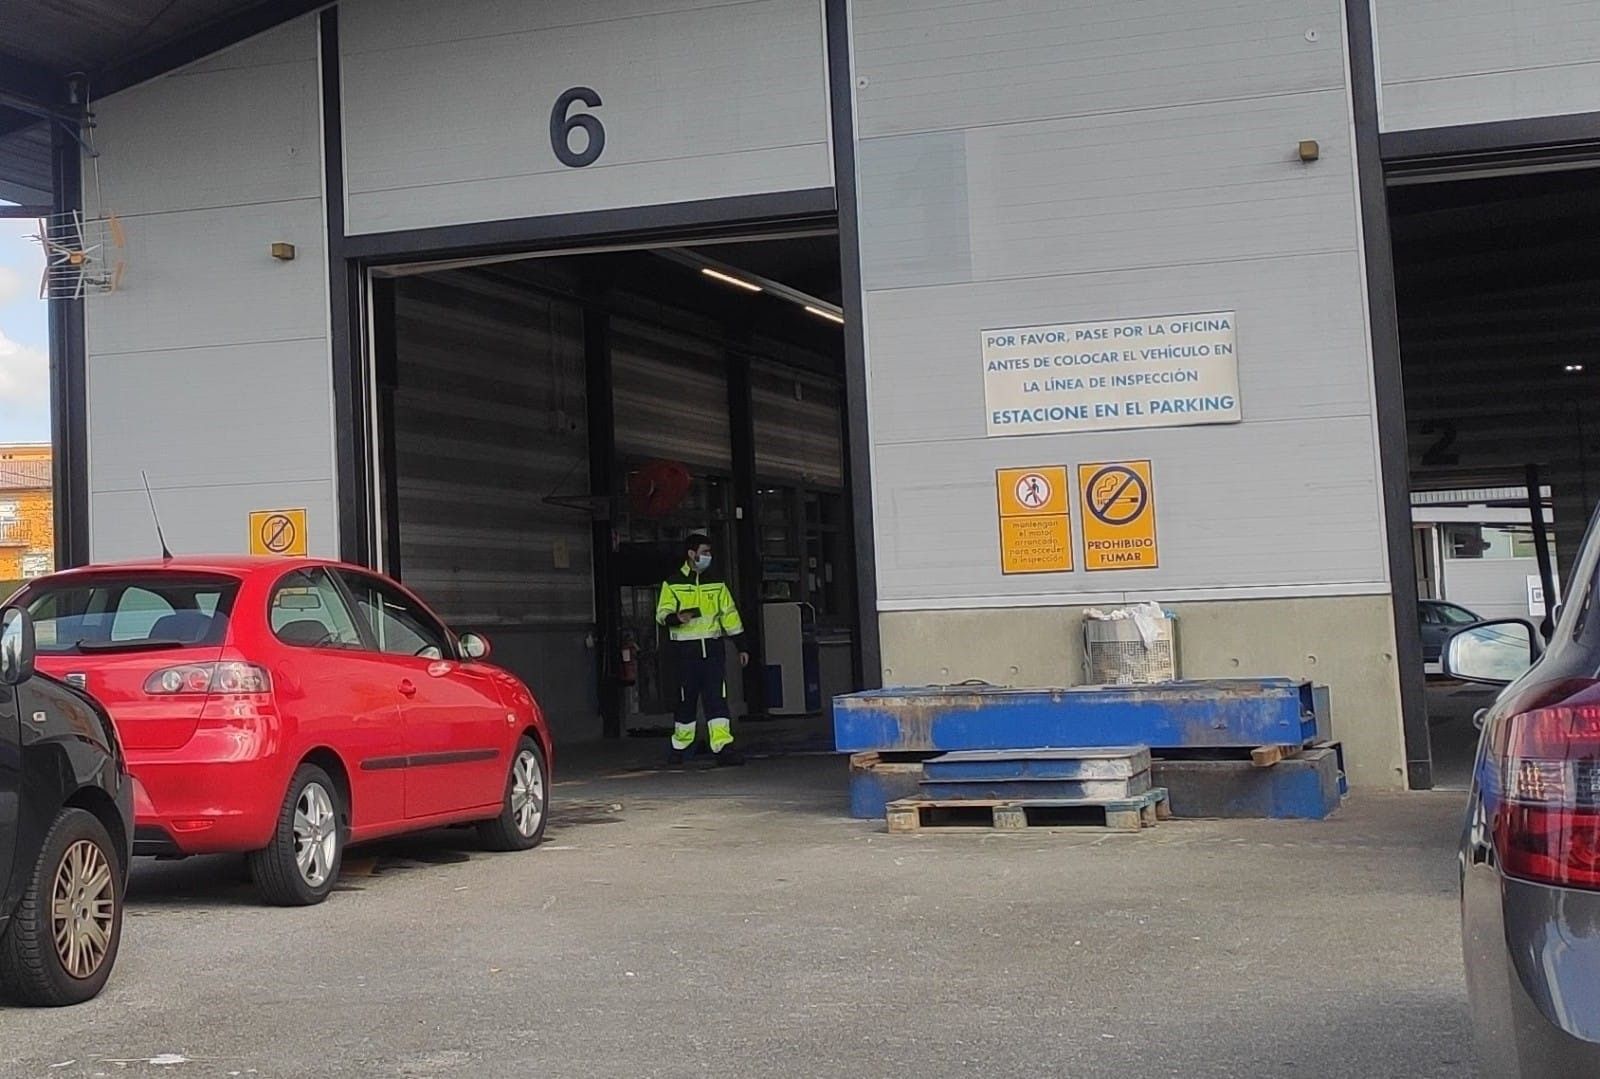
(958, 319)
(27, 522)
(1477, 548)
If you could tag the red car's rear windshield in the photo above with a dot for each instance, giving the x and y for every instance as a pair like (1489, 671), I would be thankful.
(101, 614)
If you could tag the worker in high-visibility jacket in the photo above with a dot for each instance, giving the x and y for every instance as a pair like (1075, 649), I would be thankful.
(699, 614)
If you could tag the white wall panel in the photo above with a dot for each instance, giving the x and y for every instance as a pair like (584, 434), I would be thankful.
(200, 417)
(1149, 168)
(240, 128)
(1289, 368)
(1448, 62)
(206, 521)
(447, 107)
(1213, 183)
(1257, 506)
(934, 66)
(205, 278)
(210, 368)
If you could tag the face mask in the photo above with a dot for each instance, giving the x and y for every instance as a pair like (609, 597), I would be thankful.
(702, 563)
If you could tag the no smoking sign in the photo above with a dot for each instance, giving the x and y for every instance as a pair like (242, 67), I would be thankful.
(1119, 516)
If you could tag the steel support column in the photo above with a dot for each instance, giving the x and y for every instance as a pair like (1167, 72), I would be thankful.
(69, 403)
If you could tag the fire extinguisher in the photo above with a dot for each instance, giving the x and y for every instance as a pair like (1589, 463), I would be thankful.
(628, 660)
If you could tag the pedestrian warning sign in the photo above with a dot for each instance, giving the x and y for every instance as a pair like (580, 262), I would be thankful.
(1035, 525)
(278, 532)
(1119, 516)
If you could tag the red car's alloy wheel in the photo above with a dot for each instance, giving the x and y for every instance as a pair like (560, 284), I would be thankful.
(527, 793)
(316, 834)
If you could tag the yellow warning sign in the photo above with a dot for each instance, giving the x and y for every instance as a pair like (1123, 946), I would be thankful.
(1035, 526)
(278, 532)
(1119, 516)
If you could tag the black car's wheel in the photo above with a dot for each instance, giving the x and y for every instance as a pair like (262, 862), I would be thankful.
(521, 822)
(62, 941)
(301, 864)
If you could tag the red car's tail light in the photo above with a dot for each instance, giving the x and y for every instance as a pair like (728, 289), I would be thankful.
(1547, 823)
(230, 678)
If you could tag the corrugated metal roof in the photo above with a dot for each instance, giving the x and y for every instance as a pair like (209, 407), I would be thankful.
(25, 164)
(110, 44)
(90, 35)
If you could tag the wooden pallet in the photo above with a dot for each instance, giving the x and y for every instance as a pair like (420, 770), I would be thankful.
(1013, 815)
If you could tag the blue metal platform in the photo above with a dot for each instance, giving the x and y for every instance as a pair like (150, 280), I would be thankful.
(1212, 714)
(1024, 790)
(1307, 787)
(1003, 765)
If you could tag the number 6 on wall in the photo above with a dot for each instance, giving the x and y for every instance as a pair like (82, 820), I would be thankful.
(561, 126)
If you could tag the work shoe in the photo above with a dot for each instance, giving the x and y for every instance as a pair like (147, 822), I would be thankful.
(719, 734)
(683, 737)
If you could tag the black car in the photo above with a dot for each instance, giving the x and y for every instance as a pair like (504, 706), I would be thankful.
(66, 831)
(1439, 620)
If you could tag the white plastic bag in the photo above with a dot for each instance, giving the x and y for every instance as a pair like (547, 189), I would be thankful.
(1146, 618)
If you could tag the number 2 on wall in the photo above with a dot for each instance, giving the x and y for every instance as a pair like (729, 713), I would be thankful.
(562, 126)
(1440, 453)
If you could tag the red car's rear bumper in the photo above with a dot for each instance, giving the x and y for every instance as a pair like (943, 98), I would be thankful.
(220, 793)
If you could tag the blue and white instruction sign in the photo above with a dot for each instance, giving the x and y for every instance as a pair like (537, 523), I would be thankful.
(1174, 371)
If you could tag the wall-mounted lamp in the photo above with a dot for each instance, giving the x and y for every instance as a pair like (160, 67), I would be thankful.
(283, 252)
(1310, 150)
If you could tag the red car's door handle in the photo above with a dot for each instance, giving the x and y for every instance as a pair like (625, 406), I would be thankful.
(408, 688)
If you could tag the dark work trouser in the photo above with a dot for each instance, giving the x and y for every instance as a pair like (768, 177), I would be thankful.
(702, 679)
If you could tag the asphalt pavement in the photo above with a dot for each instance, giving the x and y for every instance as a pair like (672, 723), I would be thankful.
(736, 923)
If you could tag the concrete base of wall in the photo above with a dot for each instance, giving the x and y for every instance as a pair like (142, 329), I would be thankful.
(1345, 642)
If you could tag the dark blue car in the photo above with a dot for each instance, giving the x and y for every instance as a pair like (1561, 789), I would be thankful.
(1530, 851)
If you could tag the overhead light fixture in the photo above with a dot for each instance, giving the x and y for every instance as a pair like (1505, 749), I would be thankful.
(751, 282)
(729, 279)
(1574, 368)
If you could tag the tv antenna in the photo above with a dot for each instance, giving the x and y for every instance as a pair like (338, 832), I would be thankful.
(166, 555)
(83, 256)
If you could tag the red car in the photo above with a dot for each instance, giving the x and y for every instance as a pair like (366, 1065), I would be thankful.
(287, 707)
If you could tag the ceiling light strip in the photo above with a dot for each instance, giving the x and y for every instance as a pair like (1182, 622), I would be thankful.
(819, 307)
(730, 279)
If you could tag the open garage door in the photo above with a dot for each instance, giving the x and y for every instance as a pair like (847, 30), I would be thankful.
(552, 427)
(1497, 294)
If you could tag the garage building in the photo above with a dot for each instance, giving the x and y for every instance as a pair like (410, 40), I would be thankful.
(472, 284)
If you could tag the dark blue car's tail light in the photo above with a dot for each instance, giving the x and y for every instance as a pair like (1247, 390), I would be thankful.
(1547, 821)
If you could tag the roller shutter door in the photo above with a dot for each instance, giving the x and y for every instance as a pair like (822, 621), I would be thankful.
(490, 418)
(798, 427)
(670, 394)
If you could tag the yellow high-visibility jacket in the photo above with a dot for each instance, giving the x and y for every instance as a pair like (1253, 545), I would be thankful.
(719, 617)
